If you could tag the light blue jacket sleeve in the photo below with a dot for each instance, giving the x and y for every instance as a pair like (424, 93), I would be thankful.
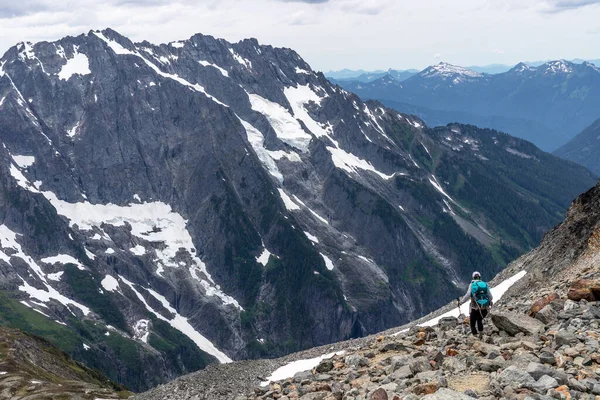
(467, 295)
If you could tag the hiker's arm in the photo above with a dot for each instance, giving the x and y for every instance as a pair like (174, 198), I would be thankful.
(467, 295)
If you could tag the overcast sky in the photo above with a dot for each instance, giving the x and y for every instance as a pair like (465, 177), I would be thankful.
(335, 34)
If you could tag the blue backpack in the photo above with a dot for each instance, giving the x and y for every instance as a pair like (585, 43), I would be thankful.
(480, 293)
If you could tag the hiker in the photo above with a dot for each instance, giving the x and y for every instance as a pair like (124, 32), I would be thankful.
(481, 300)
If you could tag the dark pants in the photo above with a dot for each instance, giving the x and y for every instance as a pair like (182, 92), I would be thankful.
(477, 317)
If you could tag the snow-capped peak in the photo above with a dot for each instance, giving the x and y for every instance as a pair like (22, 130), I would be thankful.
(448, 70)
(522, 67)
(557, 67)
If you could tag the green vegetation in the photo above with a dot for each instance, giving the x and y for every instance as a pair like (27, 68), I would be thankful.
(178, 348)
(86, 288)
(17, 315)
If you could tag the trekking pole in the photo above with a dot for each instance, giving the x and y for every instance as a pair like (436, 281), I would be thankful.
(462, 323)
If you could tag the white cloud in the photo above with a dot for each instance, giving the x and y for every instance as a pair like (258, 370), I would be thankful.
(370, 34)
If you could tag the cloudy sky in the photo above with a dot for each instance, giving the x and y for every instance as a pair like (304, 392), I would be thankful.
(335, 34)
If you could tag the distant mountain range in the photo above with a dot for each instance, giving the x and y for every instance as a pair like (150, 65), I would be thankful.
(369, 76)
(361, 75)
(546, 104)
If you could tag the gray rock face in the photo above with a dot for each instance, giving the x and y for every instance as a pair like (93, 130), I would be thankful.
(512, 323)
(202, 201)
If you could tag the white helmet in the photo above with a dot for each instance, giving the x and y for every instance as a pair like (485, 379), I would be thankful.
(476, 275)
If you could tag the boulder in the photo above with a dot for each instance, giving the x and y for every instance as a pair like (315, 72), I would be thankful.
(546, 315)
(448, 323)
(544, 384)
(541, 303)
(400, 361)
(513, 324)
(484, 348)
(324, 366)
(516, 378)
(356, 361)
(379, 394)
(426, 388)
(420, 364)
(537, 370)
(490, 365)
(392, 346)
(564, 337)
(584, 289)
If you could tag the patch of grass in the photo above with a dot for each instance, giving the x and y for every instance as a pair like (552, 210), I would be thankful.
(16, 315)
(86, 288)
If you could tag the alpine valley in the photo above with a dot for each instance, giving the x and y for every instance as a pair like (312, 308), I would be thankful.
(165, 207)
(547, 104)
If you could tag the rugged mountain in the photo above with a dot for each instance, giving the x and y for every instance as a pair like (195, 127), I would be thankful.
(547, 105)
(541, 341)
(584, 148)
(164, 207)
(32, 368)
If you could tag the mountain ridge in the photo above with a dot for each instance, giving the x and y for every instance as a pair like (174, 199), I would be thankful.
(558, 97)
(582, 149)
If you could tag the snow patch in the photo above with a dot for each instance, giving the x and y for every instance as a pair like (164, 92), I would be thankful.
(74, 130)
(257, 141)
(78, 65)
(152, 222)
(110, 284)
(63, 259)
(264, 257)
(23, 161)
(351, 163)
(246, 63)
(178, 322)
(56, 276)
(312, 238)
(518, 153)
(221, 70)
(138, 250)
(287, 201)
(298, 97)
(291, 369)
(286, 127)
(86, 347)
(328, 262)
(302, 71)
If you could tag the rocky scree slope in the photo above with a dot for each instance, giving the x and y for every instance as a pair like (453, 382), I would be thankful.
(540, 342)
(32, 368)
(547, 105)
(182, 204)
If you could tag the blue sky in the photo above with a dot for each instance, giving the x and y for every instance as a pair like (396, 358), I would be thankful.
(335, 34)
